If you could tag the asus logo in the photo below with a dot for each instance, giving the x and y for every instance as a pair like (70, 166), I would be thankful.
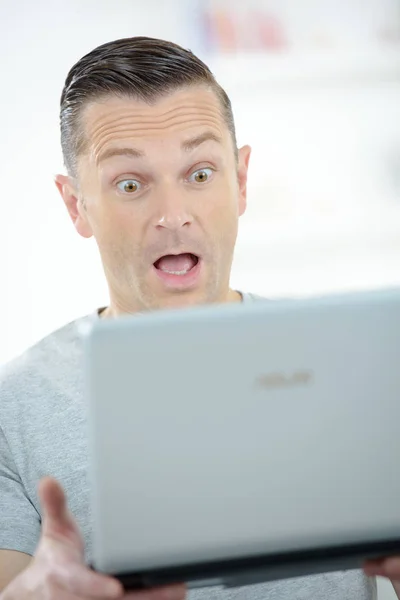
(282, 380)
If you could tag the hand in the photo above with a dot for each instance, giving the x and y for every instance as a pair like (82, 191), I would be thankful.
(384, 567)
(388, 567)
(58, 570)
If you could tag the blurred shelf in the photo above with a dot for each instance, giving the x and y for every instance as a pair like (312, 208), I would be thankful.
(244, 72)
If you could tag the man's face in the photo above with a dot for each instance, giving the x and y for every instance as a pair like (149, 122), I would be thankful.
(161, 191)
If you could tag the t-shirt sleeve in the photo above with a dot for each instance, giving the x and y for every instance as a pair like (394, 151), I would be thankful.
(19, 520)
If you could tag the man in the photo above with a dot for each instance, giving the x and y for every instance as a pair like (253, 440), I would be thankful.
(155, 176)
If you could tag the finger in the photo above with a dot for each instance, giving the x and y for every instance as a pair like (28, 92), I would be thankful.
(64, 595)
(51, 495)
(52, 500)
(390, 567)
(57, 521)
(172, 592)
(373, 566)
(82, 581)
(383, 567)
(60, 594)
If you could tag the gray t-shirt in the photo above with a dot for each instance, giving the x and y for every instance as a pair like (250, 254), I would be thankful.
(43, 432)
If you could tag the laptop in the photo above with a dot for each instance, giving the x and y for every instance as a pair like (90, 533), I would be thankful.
(237, 444)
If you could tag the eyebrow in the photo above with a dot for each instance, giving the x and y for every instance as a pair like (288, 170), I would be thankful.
(131, 152)
(188, 145)
(207, 136)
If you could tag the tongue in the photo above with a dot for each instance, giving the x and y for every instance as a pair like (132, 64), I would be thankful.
(178, 265)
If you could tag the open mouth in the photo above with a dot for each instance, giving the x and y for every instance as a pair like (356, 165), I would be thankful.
(177, 264)
(179, 272)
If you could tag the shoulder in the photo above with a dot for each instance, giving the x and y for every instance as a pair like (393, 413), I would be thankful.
(249, 297)
(38, 367)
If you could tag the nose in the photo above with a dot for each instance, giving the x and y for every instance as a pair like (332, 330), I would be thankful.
(172, 209)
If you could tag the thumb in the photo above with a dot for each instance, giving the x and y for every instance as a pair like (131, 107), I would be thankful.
(58, 524)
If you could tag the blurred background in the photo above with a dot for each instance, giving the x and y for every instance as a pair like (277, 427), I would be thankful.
(315, 87)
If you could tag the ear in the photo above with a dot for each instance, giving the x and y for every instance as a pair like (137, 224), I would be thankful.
(243, 167)
(73, 202)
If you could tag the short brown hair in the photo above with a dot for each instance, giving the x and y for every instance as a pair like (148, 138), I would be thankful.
(140, 67)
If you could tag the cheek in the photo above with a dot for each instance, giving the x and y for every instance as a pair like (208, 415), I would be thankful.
(112, 216)
(222, 206)
(113, 231)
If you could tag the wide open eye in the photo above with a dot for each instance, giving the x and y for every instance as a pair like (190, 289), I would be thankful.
(201, 175)
(129, 186)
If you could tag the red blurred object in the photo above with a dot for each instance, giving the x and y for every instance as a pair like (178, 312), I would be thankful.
(270, 32)
(224, 31)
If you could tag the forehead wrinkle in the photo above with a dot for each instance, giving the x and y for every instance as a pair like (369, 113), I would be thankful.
(151, 128)
(141, 112)
(98, 145)
(110, 123)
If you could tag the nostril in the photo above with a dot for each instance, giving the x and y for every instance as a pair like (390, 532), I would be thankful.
(173, 222)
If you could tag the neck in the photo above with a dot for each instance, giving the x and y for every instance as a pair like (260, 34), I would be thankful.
(114, 310)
